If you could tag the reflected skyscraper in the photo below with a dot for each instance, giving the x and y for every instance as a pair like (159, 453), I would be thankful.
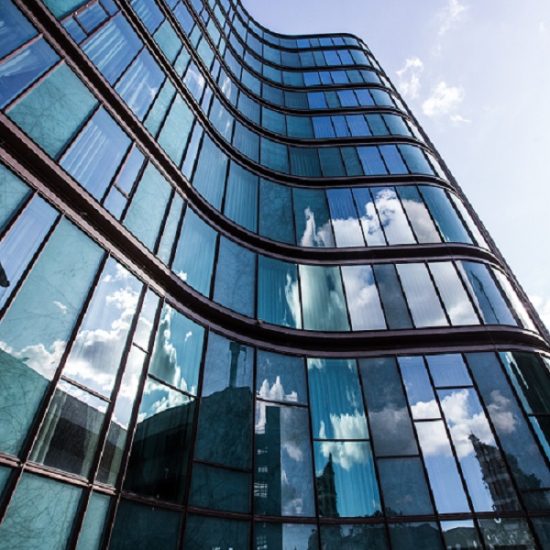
(243, 302)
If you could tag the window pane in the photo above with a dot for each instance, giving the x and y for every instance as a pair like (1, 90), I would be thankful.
(393, 301)
(93, 523)
(15, 29)
(241, 199)
(392, 217)
(159, 456)
(204, 532)
(418, 215)
(390, 424)
(225, 420)
(13, 192)
(369, 217)
(415, 159)
(195, 253)
(272, 536)
(176, 129)
(344, 218)
(280, 377)
(371, 161)
(419, 389)
(425, 306)
(324, 307)
(53, 112)
(52, 296)
(47, 523)
(278, 293)
(235, 277)
(283, 484)
(506, 533)
(178, 349)
(364, 304)
(313, 226)
(209, 176)
(274, 155)
(415, 535)
(276, 218)
(393, 159)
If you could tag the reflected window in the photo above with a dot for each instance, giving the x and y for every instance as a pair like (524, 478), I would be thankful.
(370, 221)
(391, 296)
(313, 227)
(280, 378)
(347, 230)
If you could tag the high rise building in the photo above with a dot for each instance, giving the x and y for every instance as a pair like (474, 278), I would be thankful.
(243, 303)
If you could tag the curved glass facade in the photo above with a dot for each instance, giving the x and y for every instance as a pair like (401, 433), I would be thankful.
(243, 303)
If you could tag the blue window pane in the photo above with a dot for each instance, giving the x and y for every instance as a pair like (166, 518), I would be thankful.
(347, 98)
(365, 99)
(274, 155)
(281, 378)
(246, 141)
(168, 41)
(140, 84)
(393, 159)
(209, 176)
(24, 68)
(391, 215)
(221, 119)
(158, 110)
(418, 214)
(94, 522)
(382, 98)
(96, 154)
(331, 161)
(235, 277)
(91, 17)
(241, 199)
(15, 29)
(346, 226)
(75, 30)
(176, 129)
(371, 161)
(304, 162)
(146, 211)
(195, 253)
(149, 13)
(113, 47)
(273, 121)
(185, 19)
(276, 219)
(322, 126)
(372, 228)
(313, 227)
(55, 110)
(316, 100)
(278, 293)
(195, 81)
(324, 307)
(416, 160)
(358, 125)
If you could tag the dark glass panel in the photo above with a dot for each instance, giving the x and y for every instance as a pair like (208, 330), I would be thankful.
(52, 296)
(235, 277)
(223, 534)
(393, 301)
(159, 456)
(219, 489)
(404, 487)
(53, 112)
(101, 337)
(142, 526)
(353, 537)
(324, 307)
(406, 536)
(46, 524)
(285, 536)
(390, 424)
(178, 349)
(225, 420)
(506, 533)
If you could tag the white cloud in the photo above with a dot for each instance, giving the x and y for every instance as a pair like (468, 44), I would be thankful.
(459, 119)
(450, 15)
(314, 236)
(444, 100)
(409, 77)
(542, 305)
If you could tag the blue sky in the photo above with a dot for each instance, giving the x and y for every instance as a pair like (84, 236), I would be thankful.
(476, 74)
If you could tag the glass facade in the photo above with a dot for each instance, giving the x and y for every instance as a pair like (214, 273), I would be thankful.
(243, 304)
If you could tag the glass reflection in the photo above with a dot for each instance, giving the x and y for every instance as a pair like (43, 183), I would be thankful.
(101, 338)
(280, 377)
(224, 534)
(460, 535)
(285, 536)
(344, 218)
(283, 482)
(405, 536)
(506, 533)
(354, 537)
(369, 217)
(157, 466)
(392, 218)
(313, 226)
(418, 215)
(419, 390)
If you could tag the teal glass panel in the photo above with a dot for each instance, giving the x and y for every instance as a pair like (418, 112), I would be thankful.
(278, 293)
(178, 350)
(159, 457)
(209, 176)
(144, 526)
(331, 162)
(274, 155)
(235, 277)
(171, 225)
(241, 198)
(204, 532)
(225, 420)
(52, 296)
(285, 536)
(160, 107)
(168, 40)
(60, 8)
(176, 129)
(324, 306)
(304, 162)
(195, 253)
(101, 338)
(276, 218)
(53, 112)
(93, 524)
(336, 537)
(146, 211)
(280, 378)
(95, 155)
(246, 141)
(405, 536)
(13, 193)
(313, 227)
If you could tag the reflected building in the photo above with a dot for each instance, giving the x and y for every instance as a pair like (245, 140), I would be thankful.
(243, 302)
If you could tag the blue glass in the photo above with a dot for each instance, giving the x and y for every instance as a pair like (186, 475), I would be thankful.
(235, 277)
(221, 119)
(176, 129)
(280, 377)
(444, 215)
(372, 228)
(371, 161)
(24, 68)
(177, 353)
(415, 159)
(54, 110)
(168, 40)
(160, 107)
(145, 214)
(241, 198)
(112, 48)
(246, 141)
(419, 388)
(91, 17)
(393, 159)
(210, 172)
(273, 121)
(74, 29)
(418, 214)
(149, 13)
(331, 161)
(392, 218)
(127, 176)
(185, 19)
(391, 295)
(19, 245)
(358, 125)
(276, 218)
(278, 293)
(96, 154)
(448, 370)
(274, 155)
(195, 81)
(15, 29)
(344, 218)
(313, 227)
(324, 306)
(140, 84)
(170, 229)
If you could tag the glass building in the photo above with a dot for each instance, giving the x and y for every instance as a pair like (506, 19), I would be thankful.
(243, 303)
